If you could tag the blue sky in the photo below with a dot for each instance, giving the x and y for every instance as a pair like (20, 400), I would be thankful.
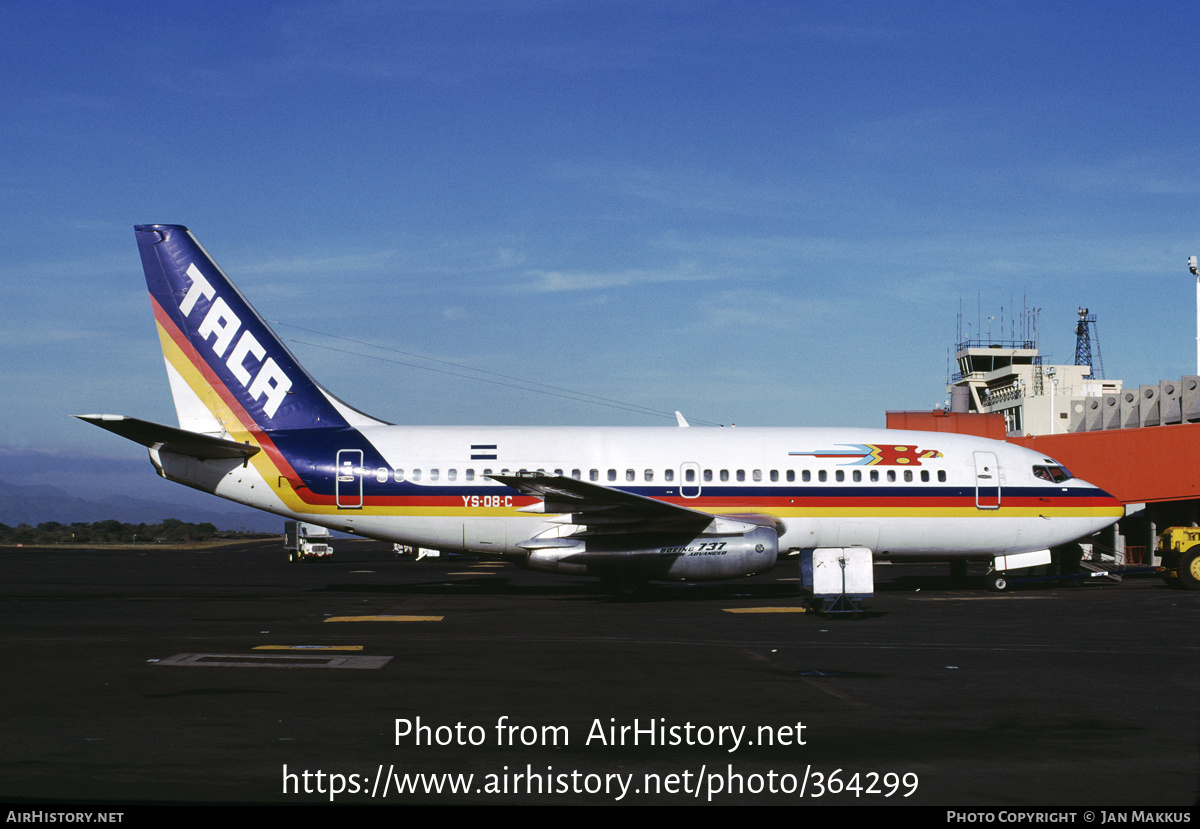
(767, 213)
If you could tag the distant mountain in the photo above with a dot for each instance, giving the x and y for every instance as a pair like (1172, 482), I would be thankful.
(35, 504)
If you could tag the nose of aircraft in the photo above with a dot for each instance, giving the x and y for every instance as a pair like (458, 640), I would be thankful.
(1106, 508)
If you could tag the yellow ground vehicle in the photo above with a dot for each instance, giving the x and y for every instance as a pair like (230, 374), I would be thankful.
(1180, 551)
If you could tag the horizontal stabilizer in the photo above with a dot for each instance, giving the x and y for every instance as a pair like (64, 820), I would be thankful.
(169, 439)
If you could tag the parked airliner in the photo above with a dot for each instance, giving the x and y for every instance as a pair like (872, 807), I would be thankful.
(626, 504)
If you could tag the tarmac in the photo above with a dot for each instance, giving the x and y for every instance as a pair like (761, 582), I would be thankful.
(229, 675)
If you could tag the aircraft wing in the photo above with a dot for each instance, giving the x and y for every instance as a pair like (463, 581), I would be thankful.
(613, 519)
(170, 439)
(593, 504)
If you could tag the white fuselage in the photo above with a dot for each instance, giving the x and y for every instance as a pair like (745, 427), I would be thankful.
(427, 486)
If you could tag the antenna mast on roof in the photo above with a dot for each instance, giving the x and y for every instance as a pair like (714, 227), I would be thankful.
(1083, 345)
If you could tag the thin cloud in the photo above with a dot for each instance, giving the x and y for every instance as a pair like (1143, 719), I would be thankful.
(322, 264)
(559, 281)
(692, 189)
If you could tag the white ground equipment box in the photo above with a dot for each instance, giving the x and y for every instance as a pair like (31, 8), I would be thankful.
(836, 579)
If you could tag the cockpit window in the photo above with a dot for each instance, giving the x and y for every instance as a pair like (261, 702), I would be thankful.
(1056, 474)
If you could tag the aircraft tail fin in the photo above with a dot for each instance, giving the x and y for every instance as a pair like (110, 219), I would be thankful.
(229, 372)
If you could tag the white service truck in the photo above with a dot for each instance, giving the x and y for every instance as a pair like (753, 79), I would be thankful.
(306, 541)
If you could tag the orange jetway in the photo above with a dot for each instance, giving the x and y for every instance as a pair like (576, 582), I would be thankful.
(939, 420)
(1146, 465)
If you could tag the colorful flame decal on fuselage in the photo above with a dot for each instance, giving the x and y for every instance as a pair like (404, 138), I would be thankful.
(869, 454)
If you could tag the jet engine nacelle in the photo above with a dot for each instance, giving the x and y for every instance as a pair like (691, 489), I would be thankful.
(723, 557)
(706, 557)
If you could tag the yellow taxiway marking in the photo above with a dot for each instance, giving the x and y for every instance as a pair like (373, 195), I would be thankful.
(466, 573)
(384, 619)
(308, 647)
(765, 610)
(972, 598)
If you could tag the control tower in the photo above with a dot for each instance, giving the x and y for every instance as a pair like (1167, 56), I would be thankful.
(1009, 378)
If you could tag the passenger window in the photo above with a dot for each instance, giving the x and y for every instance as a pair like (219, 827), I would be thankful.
(707, 475)
(612, 474)
(433, 474)
(594, 475)
(668, 474)
(891, 476)
(576, 474)
(741, 476)
(924, 476)
(839, 476)
(470, 474)
(856, 475)
(630, 475)
(874, 476)
(398, 474)
(724, 474)
(689, 475)
(908, 475)
(451, 474)
(558, 473)
(648, 475)
(416, 474)
(791, 475)
(381, 474)
(806, 476)
(942, 475)
(774, 476)
(821, 476)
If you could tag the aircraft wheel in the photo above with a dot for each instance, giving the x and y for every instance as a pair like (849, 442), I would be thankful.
(1188, 568)
(997, 582)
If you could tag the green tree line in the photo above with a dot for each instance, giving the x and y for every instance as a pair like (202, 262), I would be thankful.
(52, 532)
